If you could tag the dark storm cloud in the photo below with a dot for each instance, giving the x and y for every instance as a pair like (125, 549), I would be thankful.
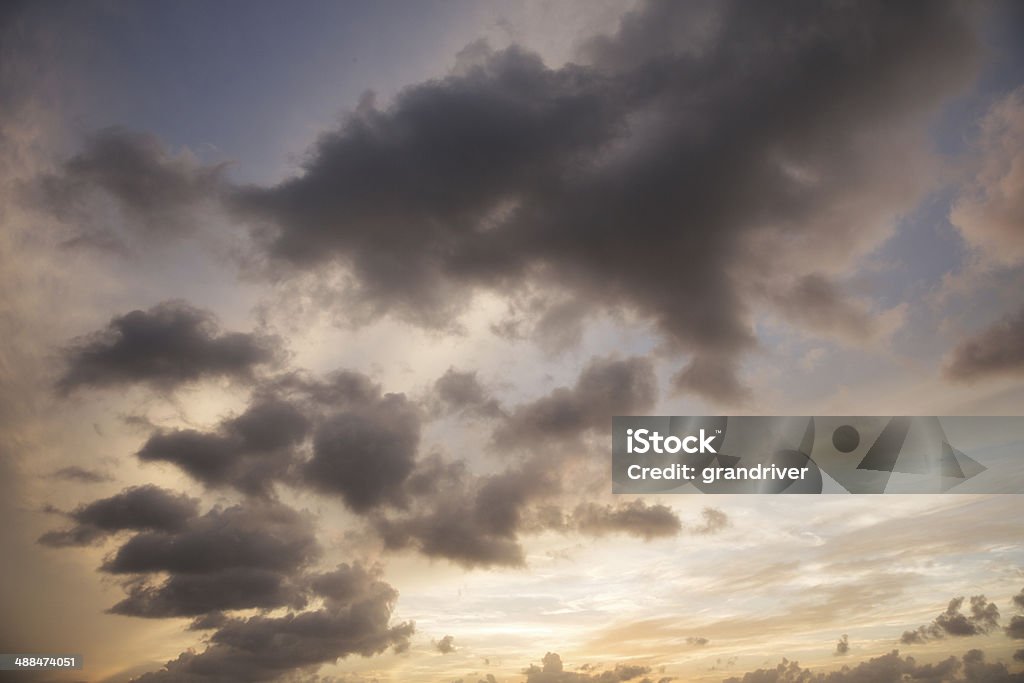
(983, 618)
(677, 174)
(80, 474)
(692, 167)
(179, 563)
(842, 646)
(553, 671)
(248, 452)
(168, 345)
(155, 189)
(891, 668)
(140, 508)
(997, 351)
(267, 536)
(635, 518)
(355, 619)
(473, 522)
(1018, 599)
(462, 392)
(605, 387)
(446, 645)
(182, 594)
(366, 453)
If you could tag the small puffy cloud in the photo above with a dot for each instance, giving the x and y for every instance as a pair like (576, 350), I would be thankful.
(713, 521)
(164, 347)
(445, 645)
(461, 392)
(842, 646)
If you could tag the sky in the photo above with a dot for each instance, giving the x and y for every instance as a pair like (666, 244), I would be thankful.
(314, 316)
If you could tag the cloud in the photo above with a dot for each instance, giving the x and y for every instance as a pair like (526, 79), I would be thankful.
(635, 518)
(552, 671)
(606, 387)
(714, 521)
(80, 475)
(248, 452)
(364, 454)
(1015, 629)
(180, 563)
(260, 535)
(983, 618)
(169, 345)
(818, 304)
(472, 521)
(678, 177)
(355, 620)
(990, 208)
(233, 588)
(461, 392)
(890, 668)
(996, 351)
(446, 645)
(156, 191)
(478, 522)
(842, 646)
(139, 508)
(642, 179)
